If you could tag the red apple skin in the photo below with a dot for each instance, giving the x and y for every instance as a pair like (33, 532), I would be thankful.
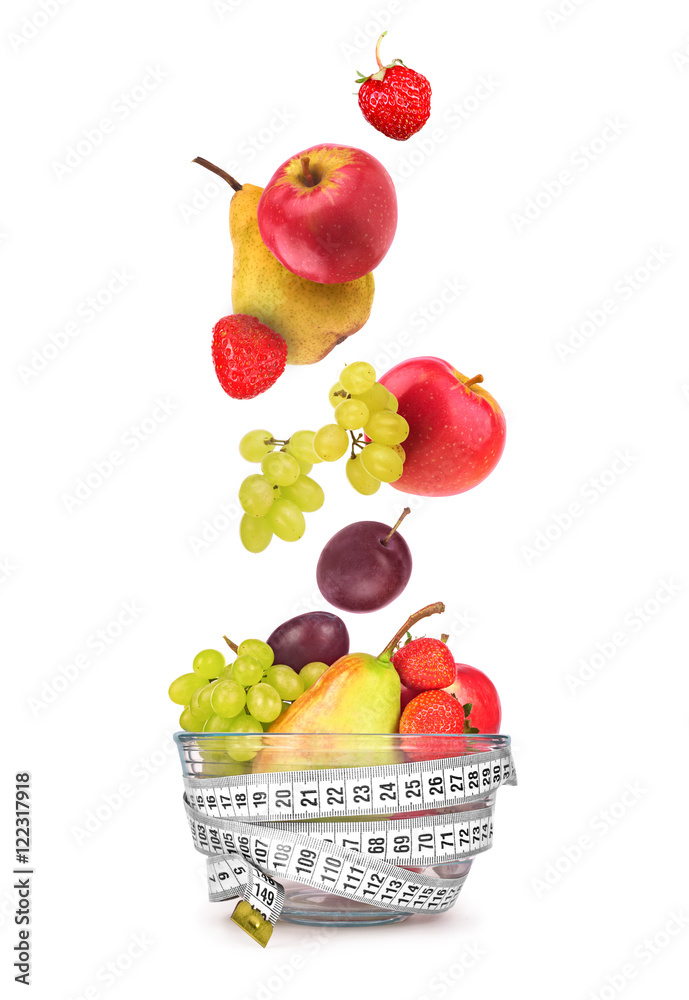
(406, 695)
(339, 228)
(472, 686)
(456, 433)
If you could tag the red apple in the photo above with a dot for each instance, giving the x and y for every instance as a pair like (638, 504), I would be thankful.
(471, 686)
(406, 695)
(457, 430)
(329, 213)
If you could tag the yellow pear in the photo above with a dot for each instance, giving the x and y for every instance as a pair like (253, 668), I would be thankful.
(312, 317)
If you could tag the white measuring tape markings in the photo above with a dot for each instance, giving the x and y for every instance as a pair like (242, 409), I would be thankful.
(333, 830)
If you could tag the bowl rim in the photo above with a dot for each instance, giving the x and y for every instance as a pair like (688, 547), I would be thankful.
(183, 737)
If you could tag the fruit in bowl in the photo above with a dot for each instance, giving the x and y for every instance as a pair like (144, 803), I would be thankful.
(471, 686)
(305, 680)
(456, 428)
(359, 693)
(329, 213)
(314, 637)
(426, 665)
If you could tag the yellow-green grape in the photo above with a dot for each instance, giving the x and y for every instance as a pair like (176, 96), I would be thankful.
(200, 703)
(375, 398)
(399, 450)
(218, 724)
(362, 481)
(357, 377)
(212, 757)
(247, 670)
(241, 747)
(254, 446)
(386, 427)
(300, 445)
(255, 533)
(263, 702)
(190, 722)
(381, 462)
(286, 682)
(280, 468)
(286, 520)
(227, 698)
(392, 403)
(209, 663)
(305, 467)
(311, 672)
(351, 413)
(305, 493)
(336, 394)
(256, 495)
(244, 723)
(183, 687)
(260, 651)
(330, 442)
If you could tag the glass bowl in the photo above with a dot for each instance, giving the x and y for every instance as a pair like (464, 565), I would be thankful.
(214, 755)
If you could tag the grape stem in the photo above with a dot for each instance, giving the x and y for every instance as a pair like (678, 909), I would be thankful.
(430, 609)
(407, 510)
(356, 442)
(275, 441)
(233, 646)
(235, 185)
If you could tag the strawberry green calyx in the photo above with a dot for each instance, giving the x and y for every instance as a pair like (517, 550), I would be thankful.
(468, 728)
(380, 74)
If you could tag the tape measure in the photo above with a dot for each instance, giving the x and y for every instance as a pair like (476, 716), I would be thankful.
(334, 830)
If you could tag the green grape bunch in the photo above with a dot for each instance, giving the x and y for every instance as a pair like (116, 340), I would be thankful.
(275, 501)
(243, 696)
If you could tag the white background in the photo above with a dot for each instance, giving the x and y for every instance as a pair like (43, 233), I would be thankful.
(228, 77)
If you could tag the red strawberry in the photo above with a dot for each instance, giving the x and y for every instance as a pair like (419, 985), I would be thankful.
(433, 712)
(248, 356)
(424, 664)
(396, 100)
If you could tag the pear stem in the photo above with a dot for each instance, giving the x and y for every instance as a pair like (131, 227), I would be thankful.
(309, 179)
(407, 510)
(473, 381)
(430, 609)
(233, 646)
(380, 65)
(235, 185)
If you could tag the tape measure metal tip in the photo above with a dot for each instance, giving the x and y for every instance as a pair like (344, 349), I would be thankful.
(251, 921)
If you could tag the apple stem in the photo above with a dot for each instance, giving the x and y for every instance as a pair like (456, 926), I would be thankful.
(430, 609)
(233, 646)
(309, 179)
(407, 510)
(235, 185)
(473, 381)
(444, 637)
(380, 65)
